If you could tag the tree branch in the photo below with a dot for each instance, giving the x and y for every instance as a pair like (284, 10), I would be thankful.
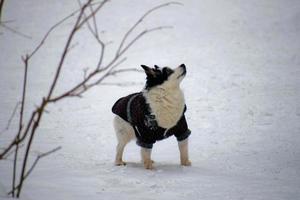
(37, 159)
(20, 123)
(141, 35)
(90, 79)
(21, 139)
(125, 84)
(140, 21)
(11, 117)
(15, 31)
(1, 9)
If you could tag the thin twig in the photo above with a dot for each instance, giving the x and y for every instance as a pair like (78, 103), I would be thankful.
(7, 21)
(140, 35)
(100, 42)
(95, 33)
(64, 54)
(108, 73)
(15, 31)
(1, 9)
(20, 123)
(31, 136)
(38, 158)
(34, 165)
(114, 72)
(84, 20)
(23, 136)
(23, 94)
(140, 21)
(94, 20)
(11, 152)
(125, 84)
(11, 117)
(53, 28)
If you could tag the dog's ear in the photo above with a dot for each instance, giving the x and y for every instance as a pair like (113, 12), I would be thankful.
(149, 71)
(156, 67)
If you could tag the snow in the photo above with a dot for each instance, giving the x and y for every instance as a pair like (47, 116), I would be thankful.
(242, 93)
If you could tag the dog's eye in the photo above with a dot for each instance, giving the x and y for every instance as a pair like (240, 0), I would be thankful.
(167, 71)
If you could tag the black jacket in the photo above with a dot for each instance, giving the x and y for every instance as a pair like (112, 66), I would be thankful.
(134, 109)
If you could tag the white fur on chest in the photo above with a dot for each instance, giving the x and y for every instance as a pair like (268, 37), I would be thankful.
(167, 106)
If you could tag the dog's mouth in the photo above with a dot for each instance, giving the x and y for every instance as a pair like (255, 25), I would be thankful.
(182, 74)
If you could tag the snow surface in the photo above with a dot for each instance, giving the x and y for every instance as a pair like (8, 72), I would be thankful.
(242, 92)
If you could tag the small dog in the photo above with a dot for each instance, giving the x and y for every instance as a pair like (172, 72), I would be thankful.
(153, 114)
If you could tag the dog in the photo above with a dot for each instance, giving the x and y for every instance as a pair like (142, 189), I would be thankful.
(155, 113)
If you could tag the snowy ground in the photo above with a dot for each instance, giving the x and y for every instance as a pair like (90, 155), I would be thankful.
(242, 93)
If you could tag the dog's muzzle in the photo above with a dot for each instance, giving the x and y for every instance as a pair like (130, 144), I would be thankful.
(182, 66)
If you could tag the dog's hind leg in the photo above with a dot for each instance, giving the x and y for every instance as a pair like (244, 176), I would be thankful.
(120, 149)
(124, 133)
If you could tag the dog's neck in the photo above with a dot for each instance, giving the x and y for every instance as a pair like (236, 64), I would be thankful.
(166, 105)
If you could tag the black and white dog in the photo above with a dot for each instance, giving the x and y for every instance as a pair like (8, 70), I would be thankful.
(153, 114)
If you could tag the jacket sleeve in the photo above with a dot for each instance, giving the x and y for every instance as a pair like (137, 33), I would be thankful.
(144, 138)
(181, 130)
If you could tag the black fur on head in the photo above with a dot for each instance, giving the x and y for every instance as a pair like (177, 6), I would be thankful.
(156, 76)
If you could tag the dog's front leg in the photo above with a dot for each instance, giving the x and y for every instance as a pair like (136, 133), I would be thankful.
(146, 158)
(184, 153)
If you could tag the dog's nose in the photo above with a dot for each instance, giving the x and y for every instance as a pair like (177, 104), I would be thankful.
(183, 67)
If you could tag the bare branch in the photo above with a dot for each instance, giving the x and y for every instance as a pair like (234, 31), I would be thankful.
(90, 79)
(85, 70)
(120, 50)
(92, 13)
(40, 111)
(63, 56)
(108, 73)
(140, 35)
(34, 165)
(23, 136)
(39, 157)
(15, 31)
(125, 84)
(54, 27)
(20, 122)
(102, 44)
(94, 20)
(83, 86)
(73, 46)
(1, 9)
(11, 152)
(7, 21)
(115, 72)
(11, 117)
(95, 33)
(140, 21)
(23, 94)
(26, 60)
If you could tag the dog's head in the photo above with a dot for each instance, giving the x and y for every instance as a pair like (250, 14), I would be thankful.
(164, 77)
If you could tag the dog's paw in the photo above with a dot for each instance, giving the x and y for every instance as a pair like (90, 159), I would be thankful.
(148, 164)
(120, 163)
(186, 163)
